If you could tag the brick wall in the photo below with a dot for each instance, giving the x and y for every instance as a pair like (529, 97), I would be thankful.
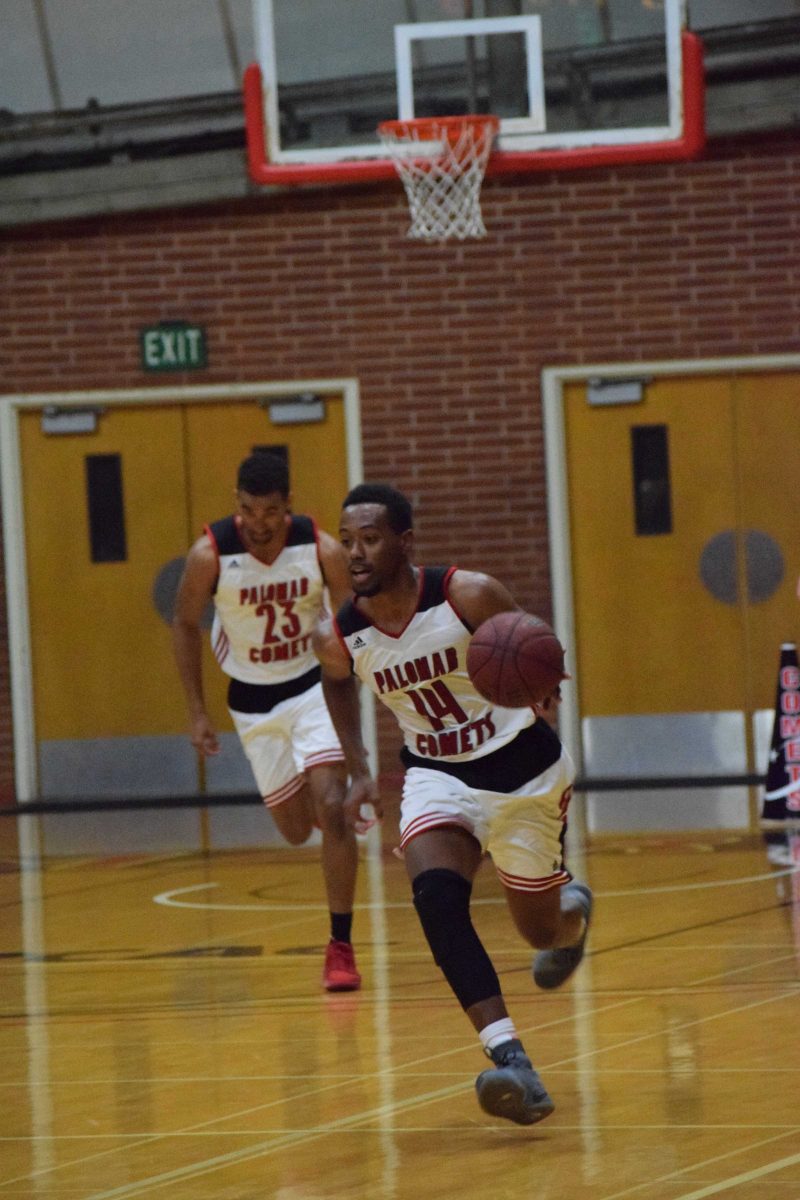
(448, 342)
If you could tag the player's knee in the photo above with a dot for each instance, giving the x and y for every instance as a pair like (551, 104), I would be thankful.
(441, 898)
(329, 809)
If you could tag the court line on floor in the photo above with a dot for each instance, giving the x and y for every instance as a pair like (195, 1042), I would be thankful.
(167, 898)
(149, 1139)
(357, 1120)
(261, 1150)
(236, 1157)
(785, 1130)
(745, 1177)
(723, 1185)
(412, 1101)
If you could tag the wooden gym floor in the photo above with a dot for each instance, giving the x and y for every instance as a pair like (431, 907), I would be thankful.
(164, 1034)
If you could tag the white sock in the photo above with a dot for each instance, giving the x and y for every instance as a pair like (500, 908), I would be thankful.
(497, 1033)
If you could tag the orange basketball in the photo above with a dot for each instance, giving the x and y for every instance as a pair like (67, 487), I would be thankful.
(515, 660)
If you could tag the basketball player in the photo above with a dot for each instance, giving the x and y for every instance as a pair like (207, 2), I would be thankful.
(266, 571)
(478, 778)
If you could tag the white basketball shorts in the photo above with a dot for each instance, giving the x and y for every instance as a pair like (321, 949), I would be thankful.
(283, 744)
(522, 830)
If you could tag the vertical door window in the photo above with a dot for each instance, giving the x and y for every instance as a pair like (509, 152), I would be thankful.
(106, 506)
(652, 492)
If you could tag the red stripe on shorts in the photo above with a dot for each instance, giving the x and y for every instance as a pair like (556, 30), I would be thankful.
(518, 883)
(323, 756)
(431, 821)
(284, 793)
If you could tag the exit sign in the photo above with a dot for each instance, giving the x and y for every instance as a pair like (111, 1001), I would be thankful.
(173, 346)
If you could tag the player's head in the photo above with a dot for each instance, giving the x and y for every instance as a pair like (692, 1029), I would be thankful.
(263, 473)
(376, 532)
(399, 515)
(262, 502)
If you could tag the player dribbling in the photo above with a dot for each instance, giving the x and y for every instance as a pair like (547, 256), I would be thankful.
(478, 777)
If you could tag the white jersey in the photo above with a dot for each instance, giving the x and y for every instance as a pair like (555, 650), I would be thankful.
(264, 612)
(421, 675)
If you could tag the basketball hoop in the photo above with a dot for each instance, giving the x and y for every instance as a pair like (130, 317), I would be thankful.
(441, 162)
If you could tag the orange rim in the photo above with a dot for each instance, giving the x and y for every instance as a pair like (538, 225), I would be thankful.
(431, 128)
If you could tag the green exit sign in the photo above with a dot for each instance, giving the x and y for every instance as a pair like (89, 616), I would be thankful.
(173, 346)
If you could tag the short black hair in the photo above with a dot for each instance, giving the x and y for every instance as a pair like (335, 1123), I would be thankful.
(263, 473)
(398, 507)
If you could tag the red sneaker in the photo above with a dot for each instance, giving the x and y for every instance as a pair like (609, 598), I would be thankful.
(340, 974)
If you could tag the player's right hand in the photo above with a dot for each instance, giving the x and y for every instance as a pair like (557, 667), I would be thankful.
(363, 790)
(548, 708)
(204, 736)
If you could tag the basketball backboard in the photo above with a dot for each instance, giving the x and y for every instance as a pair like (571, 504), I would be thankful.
(574, 82)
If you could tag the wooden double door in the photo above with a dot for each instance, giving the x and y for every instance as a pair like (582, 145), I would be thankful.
(685, 558)
(109, 516)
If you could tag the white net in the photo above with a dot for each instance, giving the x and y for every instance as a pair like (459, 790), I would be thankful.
(442, 162)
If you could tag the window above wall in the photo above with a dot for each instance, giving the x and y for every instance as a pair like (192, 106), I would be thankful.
(87, 81)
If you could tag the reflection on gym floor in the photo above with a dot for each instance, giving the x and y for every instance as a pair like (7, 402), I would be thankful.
(164, 1032)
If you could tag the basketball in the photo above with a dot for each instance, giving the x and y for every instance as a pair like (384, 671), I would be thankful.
(515, 660)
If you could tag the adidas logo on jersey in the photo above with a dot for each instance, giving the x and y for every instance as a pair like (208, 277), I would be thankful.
(359, 643)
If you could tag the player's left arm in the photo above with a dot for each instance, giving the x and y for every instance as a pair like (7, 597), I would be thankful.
(476, 597)
(333, 560)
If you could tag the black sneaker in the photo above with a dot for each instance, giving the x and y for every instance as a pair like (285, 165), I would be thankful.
(551, 968)
(511, 1088)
